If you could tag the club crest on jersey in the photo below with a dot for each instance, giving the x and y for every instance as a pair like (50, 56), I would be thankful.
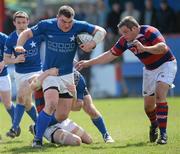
(33, 44)
(50, 36)
(72, 38)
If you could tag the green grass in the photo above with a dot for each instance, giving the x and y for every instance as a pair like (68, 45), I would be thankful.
(125, 120)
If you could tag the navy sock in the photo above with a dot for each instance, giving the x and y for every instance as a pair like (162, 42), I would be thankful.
(42, 123)
(11, 112)
(18, 114)
(32, 113)
(99, 123)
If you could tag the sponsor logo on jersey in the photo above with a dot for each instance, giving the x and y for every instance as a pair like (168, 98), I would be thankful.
(61, 47)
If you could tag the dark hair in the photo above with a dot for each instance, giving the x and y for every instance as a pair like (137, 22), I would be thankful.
(129, 22)
(67, 11)
(20, 14)
(164, 1)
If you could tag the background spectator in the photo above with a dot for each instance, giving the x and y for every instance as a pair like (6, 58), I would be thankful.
(101, 12)
(92, 17)
(130, 11)
(165, 18)
(148, 15)
(80, 15)
(8, 26)
(112, 36)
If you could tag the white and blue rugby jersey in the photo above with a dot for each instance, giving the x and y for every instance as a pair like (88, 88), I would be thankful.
(32, 55)
(3, 38)
(60, 46)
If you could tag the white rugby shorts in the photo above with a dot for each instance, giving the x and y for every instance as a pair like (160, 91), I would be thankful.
(67, 125)
(165, 73)
(5, 83)
(61, 82)
(20, 77)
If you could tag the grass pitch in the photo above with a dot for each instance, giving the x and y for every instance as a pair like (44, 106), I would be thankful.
(125, 120)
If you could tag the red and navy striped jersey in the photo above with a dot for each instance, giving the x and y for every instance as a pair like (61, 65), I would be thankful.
(39, 100)
(148, 36)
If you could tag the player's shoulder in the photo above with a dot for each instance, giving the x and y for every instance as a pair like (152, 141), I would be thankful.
(80, 23)
(13, 35)
(148, 29)
(121, 41)
(12, 38)
(3, 37)
(50, 21)
(46, 24)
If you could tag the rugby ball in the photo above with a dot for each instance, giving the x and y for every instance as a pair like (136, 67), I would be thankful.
(83, 38)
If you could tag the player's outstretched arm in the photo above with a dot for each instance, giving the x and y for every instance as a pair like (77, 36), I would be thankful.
(101, 59)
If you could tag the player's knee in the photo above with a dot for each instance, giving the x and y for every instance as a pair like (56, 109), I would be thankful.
(25, 89)
(20, 100)
(76, 141)
(7, 104)
(157, 98)
(62, 116)
(86, 138)
(76, 106)
(65, 138)
(28, 106)
(161, 91)
(160, 97)
(149, 107)
(149, 103)
(72, 140)
(83, 135)
(50, 107)
(6, 101)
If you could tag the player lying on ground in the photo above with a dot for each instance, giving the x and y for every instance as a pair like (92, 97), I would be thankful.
(66, 132)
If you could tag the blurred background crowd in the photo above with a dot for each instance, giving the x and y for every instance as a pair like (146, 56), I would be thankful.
(163, 14)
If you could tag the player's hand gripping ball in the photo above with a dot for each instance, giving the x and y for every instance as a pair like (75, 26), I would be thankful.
(83, 38)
